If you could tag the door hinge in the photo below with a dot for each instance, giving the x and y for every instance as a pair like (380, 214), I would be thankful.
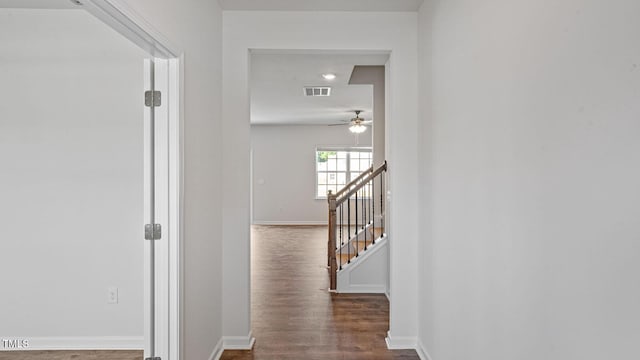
(152, 98)
(152, 231)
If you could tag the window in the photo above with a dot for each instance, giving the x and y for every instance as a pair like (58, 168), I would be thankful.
(337, 167)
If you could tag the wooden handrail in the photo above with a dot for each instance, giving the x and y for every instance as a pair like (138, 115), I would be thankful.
(342, 198)
(354, 181)
(335, 201)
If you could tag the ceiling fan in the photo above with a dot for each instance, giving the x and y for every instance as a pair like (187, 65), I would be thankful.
(357, 124)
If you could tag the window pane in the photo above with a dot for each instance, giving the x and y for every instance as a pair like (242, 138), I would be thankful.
(355, 165)
(322, 178)
(336, 168)
(331, 178)
(331, 164)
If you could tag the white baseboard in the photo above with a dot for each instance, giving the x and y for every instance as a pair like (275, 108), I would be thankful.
(217, 351)
(363, 289)
(238, 342)
(422, 351)
(401, 342)
(80, 343)
(310, 222)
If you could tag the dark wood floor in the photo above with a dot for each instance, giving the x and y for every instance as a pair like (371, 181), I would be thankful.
(293, 314)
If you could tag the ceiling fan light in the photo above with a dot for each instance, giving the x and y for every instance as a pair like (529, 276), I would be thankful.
(357, 128)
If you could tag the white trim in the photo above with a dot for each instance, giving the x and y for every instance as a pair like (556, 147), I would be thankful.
(120, 17)
(169, 293)
(363, 289)
(83, 343)
(294, 223)
(147, 201)
(422, 351)
(217, 351)
(176, 189)
(168, 191)
(400, 342)
(401, 105)
(238, 342)
(162, 246)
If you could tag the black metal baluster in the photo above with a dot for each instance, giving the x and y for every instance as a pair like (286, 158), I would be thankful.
(364, 213)
(369, 203)
(348, 230)
(373, 210)
(364, 220)
(341, 225)
(382, 216)
(356, 227)
(341, 236)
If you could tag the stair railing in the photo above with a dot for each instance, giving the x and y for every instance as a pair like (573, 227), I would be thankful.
(359, 201)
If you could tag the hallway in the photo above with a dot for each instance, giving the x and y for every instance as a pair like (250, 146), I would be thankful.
(293, 314)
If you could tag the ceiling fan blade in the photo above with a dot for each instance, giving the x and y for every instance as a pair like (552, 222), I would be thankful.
(338, 124)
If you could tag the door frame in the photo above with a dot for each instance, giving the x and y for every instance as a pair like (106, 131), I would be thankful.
(169, 73)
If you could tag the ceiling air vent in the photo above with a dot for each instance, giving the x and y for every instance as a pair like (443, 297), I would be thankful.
(317, 91)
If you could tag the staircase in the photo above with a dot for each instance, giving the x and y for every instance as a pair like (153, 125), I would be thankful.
(356, 224)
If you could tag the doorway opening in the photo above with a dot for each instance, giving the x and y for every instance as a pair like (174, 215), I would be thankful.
(297, 143)
(86, 166)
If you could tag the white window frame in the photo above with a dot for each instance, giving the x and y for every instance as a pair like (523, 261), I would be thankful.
(348, 149)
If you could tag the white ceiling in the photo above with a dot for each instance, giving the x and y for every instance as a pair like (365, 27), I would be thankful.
(277, 81)
(322, 5)
(283, 5)
(38, 4)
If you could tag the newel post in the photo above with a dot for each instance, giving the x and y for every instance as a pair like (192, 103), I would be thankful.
(331, 245)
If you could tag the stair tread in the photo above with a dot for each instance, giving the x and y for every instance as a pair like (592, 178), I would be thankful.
(345, 257)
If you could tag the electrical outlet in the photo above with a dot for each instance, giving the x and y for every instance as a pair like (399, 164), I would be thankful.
(112, 295)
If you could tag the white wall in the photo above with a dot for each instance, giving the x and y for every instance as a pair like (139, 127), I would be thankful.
(534, 158)
(195, 26)
(71, 131)
(284, 171)
(375, 76)
(384, 32)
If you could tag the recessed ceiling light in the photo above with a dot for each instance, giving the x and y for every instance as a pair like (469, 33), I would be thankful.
(329, 76)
